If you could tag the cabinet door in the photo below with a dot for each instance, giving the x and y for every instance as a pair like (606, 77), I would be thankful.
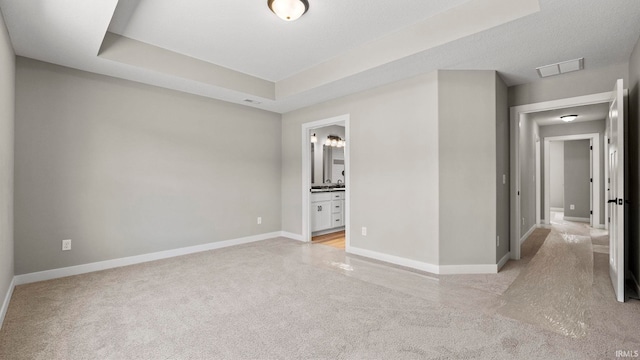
(320, 215)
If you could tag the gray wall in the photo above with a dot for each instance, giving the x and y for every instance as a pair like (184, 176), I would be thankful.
(528, 136)
(634, 162)
(124, 169)
(556, 174)
(393, 193)
(502, 168)
(576, 175)
(586, 127)
(7, 101)
(585, 82)
(467, 137)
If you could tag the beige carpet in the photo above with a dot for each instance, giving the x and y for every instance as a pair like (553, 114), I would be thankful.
(281, 299)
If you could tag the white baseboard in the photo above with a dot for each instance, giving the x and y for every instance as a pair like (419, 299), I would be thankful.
(468, 269)
(131, 260)
(525, 236)
(291, 235)
(578, 219)
(414, 264)
(424, 266)
(7, 298)
(557, 209)
(504, 260)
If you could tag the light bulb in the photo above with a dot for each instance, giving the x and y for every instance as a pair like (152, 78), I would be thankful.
(334, 142)
(314, 138)
(288, 10)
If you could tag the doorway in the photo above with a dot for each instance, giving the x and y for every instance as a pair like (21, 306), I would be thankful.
(519, 124)
(326, 182)
(589, 178)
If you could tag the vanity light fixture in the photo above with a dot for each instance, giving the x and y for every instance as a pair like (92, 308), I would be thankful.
(288, 10)
(568, 118)
(335, 141)
(314, 138)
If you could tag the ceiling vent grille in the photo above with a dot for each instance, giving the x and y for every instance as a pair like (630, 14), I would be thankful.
(561, 68)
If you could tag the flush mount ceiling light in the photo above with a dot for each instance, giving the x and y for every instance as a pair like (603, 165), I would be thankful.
(561, 68)
(288, 10)
(568, 118)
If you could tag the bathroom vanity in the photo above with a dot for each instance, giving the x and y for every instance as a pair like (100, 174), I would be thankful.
(327, 209)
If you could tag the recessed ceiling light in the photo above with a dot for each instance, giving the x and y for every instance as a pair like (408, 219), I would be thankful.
(561, 67)
(288, 10)
(568, 118)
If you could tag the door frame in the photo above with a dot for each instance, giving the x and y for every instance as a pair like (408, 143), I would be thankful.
(343, 120)
(516, 117)
(595, 199)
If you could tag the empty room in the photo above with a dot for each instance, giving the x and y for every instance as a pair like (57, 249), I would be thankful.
(303, 179)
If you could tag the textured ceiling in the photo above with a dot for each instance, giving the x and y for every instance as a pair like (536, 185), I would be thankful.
(237, 49)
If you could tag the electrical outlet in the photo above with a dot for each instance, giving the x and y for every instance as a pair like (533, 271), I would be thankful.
(572, 207)
(504, 179)
(259, 220)
(66, 245)
(522, 221)
(364, 231)
(498, 242)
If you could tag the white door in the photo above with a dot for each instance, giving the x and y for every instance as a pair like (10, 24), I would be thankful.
(616, 201)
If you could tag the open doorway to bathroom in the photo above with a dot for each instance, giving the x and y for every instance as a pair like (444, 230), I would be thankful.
(326, 182)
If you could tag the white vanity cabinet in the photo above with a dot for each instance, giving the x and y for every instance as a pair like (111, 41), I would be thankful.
(327, 210)
(320, 211)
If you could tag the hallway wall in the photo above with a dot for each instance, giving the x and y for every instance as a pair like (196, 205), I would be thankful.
(7, 101)
(556, 174)
(576, 176)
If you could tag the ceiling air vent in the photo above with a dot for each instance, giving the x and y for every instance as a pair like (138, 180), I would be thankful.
(251, 101)
(561, 68)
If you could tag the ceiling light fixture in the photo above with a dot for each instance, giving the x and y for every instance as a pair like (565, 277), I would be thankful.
(568, 118)
(335, 141)
(288, 10)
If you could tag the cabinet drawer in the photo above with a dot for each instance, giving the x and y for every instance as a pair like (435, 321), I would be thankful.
(336, 220)
(336, 206)
(321, 196)
(338, 195)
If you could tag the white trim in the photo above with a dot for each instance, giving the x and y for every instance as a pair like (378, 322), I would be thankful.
(525, 236)
(306, 176)
(556, 209)
(599, 226)
(414, 264)
(468, 269)
(7, 299)
(578, 219)
(291, 236)
(516, 114)
(423, 266)
(504, 260)
(594, 194)
(131, 260)
(538, 183)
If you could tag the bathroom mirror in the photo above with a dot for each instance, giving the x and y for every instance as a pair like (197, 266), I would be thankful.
(332, 164)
